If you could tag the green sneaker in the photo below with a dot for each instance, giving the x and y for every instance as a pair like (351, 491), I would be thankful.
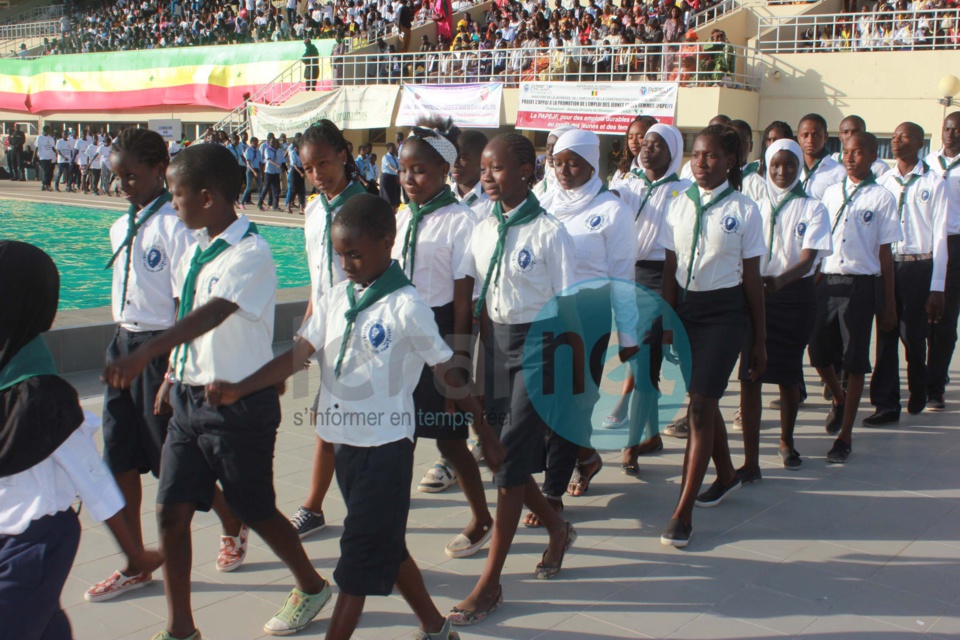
(298, 611)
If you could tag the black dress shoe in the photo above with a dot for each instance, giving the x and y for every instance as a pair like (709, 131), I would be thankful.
(916, 405)
(834, 419)
(881, 418)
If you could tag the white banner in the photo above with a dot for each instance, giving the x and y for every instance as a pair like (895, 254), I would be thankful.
(596, 106)
(169, 129)
(470, 105)
(369, 107)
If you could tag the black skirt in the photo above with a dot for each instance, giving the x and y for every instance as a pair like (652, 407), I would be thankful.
(390, 188)
(790, 315)
(716, 326)
(429, 403)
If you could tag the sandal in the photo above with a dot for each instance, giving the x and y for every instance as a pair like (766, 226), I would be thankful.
(545, 572)
(581, 483)
(613, 422)
(630, 468)
(165, 635)
(463, 618)
(528, 523)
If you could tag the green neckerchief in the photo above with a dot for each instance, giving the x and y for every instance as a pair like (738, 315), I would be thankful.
(947, 167)
(752, 167)
(526, 212)
(651, 187)
(133, 227)
(417, 213)
(32, 360)
(796, 192)
(353, 189)
(201, 258)
(470, 198)
(847, 199)
(812, 170)
(694, 194)
(904, 185)
(391, 280)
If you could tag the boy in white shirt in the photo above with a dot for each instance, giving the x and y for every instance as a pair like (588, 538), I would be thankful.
(48, 156)
(849, 126)
(819, 170)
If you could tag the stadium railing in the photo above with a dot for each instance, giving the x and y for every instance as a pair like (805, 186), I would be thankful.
(29, 30)
(698, 20)
(36, 14)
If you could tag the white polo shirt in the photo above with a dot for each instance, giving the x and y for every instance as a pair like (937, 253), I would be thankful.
(158, 250)
(879, 167)
(51, 486)
(869, 221)
(93, 156)
(605, 250)
(371, 403)
(81, 147)
(649, 221)
(755, 187)
(45, 148)
(802, 223)
(828, 172)
(245, 275)
(441, 244)
(924, 222)
(64, 151)
(620, 178)
(477, 199)
(730, 233)
(538, 264)
(950, 172)
(314, 228)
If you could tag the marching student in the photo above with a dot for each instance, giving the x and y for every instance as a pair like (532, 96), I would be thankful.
(253, 159)
(632, 143)
(373, 330)
(435, 230)
(648, 197)
(713, 241)
(296, 179)
(466, 173)
(95, 162)
(919, 274)
(849, 126)
(943, 334)
(864, 223)
(390, 176)
(64, 150)
(549, 177)
(796, 231)
(82, 161)
(47, 156)
(819, 169)
(331, 170)
(686, 173)
(523, 259)
(605, 251)
(147, 244)
(47, 460)
(272, 159)
(227, 297)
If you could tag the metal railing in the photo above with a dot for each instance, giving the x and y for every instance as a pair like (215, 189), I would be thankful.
(29, 30)
(867, 31)
(50, 12)
(700, 19)
(287, 84)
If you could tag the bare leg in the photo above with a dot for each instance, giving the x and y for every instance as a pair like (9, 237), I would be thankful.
(702, 415)
(346, 616)
(789, 406)
(177, 547)
(323, 469)
(722, 461)
(751, 410)
(414, 591)
(854, 391)
(279, 534)
(829, 377)
(129, 483)
(471, 482)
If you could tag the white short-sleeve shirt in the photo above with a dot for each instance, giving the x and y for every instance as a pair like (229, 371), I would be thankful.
(538, 264)
(159, 248)
(477, 199)
(245, 275)
(45, 145)
(441, 244)
(950, 173)
(81, 148)
(371, 403)
(828, 172)
(314, 229)
(869, 221)
(879, 167)
(64, 150)
(730, 233)
(802, 223)
(754, 187)
(650, 220)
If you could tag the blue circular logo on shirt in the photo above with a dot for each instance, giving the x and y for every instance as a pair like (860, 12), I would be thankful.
(524, 259)
(210, 285)
(154, 259)
(731, 224)
(801, 229)
(866, 217)
(377, 335)
(924, 195)
(594, 222)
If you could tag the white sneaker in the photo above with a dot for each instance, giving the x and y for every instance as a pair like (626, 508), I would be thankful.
(738, 420)
(473, 444)
(439, 478)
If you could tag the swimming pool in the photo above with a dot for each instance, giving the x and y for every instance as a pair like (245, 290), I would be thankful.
(77, 238)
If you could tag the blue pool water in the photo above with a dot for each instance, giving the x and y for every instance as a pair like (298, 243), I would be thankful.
(78, 240)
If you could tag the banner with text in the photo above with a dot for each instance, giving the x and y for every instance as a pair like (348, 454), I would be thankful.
(470, 105)
(596, 106)
(347, 107)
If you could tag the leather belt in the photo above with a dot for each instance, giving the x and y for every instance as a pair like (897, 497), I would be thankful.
(912, 257)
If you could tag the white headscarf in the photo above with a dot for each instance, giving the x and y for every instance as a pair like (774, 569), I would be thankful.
(674, 139)
(562, 129)
(774, 192)
(565, 202)
(549, 182)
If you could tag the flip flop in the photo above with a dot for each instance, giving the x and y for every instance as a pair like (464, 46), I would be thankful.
(579, 479)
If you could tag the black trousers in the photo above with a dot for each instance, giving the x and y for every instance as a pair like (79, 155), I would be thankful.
(912, 287)
(943, 335)
(46, 166)
(63, 171)
(271, 185)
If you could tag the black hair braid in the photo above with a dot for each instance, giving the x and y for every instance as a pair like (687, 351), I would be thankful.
(777, 125)
(626, 156)
(326, 132)
(522, 149)
(730, 143)
(145, 145)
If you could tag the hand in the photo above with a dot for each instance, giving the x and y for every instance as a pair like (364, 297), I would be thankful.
(934, 307)
(670, 354)
(758, 361)
(772, 284)
(493, 453)
(147, 561)
(161, 404)
(222, 393)
(888, 318)
(121, 372)
(628, 352)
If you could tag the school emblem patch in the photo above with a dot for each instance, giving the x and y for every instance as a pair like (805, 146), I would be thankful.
(801, 229)
(924, 196)
(730, 224)
(866, 217)
(377, 335)
(595, 222)
(210, 285)
(524, 259)
(154, 259)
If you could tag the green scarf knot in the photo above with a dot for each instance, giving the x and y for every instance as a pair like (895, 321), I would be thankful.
(353, 189)
(417, 213)
(694, 194)
(794, 193)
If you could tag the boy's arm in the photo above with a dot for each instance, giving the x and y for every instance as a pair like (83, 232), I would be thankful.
(119, 373)
(271, 374)
(457, 381)
(888, 314)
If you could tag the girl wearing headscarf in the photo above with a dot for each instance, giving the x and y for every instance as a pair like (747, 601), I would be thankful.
(655, 185)
(602, 232)
(796, 231)
(549, 176)
(47, 458)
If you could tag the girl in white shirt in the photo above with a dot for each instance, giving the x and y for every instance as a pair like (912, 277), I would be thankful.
(632, 142)
(603, 237)
(796, 231)
(330, 168)
(713, 242)
(432, 236)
